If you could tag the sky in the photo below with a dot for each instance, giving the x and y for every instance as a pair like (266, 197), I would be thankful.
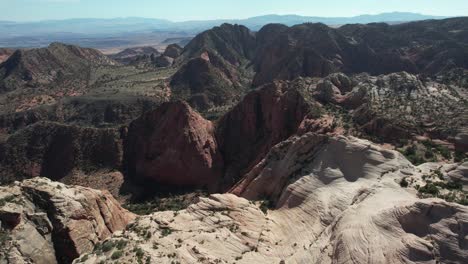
(182, 10)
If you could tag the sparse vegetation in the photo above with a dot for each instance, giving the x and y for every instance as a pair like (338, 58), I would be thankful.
(166, 231)
(265, 205)
(168, 203)
(404, 183)
(8, 199)
(108, 246)
(117, 254)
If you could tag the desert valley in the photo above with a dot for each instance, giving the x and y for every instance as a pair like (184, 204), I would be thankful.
(297, 143)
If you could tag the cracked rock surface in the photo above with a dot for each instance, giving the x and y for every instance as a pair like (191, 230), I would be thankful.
(49, 222)
(321, 210)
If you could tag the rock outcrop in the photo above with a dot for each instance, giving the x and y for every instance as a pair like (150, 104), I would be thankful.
(129, 55)
(163, 61)
(207, 82)
(5, 53)
(235, 44)
(173, 51)
(215, 68)
(46, 222)
(397, 106)
(316, 50)
(320, 200)
(54, 150)
(262, 119)
(173, 145)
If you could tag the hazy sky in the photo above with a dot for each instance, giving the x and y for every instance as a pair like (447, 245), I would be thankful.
(179, 10)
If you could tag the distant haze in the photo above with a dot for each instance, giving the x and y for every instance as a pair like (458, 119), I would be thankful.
(135, 31)
(183, 10)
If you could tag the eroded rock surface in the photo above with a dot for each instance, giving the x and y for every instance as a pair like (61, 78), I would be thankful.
(174, 145)
(332, 200)
(262, 119)
(49, 222)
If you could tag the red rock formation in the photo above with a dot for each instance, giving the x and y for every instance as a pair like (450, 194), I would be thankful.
(174, 145)
(264, 118)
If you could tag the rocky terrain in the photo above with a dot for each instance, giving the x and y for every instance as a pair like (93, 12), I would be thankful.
(54, 150)
(293, 144)
(48, 222)
(428, 47)
(315, 198)
(129, 55)
(5, 54)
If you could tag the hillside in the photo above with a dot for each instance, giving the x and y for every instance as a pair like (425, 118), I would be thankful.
(315, 50)
(293, 144)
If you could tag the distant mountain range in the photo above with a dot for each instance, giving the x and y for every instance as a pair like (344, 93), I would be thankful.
(32, 34)
(136, 24)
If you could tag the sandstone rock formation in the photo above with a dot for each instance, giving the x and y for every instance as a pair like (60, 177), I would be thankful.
(398, 105)
(163, 61)
(262, 119)
(205, 84)
(48, 222)
(173, 145)
(331, 200)
(316, 50)
(129, 55)
(83, 111)
(214, 67)
(233, 43)
(173, 51)
(54, 150)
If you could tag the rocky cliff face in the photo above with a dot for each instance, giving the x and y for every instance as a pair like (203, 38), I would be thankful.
(263, 118)
(215, 71)
(81, 111)
(48, 222)
(317, 50)
(173, 145)
(205, 84)
(233, 43)
(320, 199)
(54, 150)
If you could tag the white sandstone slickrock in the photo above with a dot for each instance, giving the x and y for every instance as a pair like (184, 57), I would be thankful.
(48, 222)
(337, 200)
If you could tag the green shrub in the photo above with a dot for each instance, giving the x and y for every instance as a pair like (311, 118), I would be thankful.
(404, 183)
(265, 205)
(108, 246)
(459, 156)
(439, 174)
(445, 152)
(117, 254)
(429, 154)
(429, 188)
(121, 244)
(454, 185)
(7, 199)
(166, 231)
(139, 253)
